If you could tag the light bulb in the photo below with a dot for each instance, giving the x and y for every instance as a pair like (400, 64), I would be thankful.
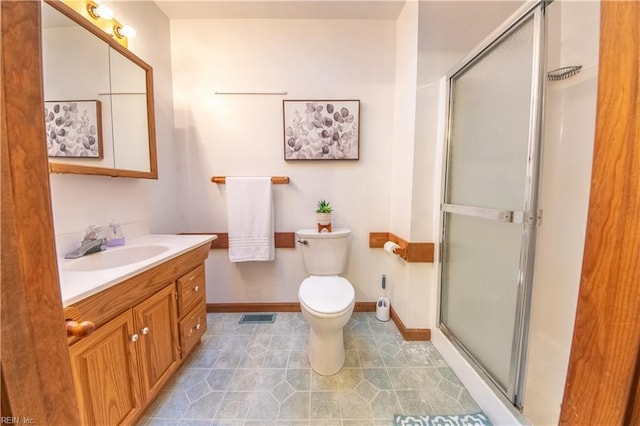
(100, 11)
(125, 31)
(104, 12)
(128, 31)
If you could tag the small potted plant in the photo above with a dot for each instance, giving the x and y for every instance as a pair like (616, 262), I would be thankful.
(323, 215)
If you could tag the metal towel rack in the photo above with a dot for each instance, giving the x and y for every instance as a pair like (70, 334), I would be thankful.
(276, 180)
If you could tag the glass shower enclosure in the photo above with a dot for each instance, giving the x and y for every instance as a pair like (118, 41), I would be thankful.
(489, 209)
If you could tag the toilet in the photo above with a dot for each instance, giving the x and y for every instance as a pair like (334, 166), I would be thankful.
(326, 299)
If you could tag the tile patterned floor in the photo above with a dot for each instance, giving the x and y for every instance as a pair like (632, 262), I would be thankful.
(258, 374)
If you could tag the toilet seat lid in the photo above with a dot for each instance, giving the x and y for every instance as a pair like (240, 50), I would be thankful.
(326, 295)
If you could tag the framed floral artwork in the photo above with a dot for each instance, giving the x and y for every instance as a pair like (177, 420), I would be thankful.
(321, 130)
(74, 128)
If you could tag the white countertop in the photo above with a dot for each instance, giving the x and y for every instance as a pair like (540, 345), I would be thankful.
(77, 285)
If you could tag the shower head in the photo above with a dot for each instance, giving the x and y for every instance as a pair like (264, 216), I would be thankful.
(563, 73)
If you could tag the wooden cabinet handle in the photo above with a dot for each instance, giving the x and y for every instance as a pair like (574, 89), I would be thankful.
(79, 329)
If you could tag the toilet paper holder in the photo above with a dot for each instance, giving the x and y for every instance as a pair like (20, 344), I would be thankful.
(394, 248)
(400, 251)
(409, 251)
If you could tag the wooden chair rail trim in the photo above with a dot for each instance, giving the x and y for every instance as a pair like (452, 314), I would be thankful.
(411, 251)
(276, 180)
(282, 239)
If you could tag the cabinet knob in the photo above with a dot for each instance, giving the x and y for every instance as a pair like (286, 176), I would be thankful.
(198, 326)
(145, 330)
(79, 328)
(134, 338)
(196, 288)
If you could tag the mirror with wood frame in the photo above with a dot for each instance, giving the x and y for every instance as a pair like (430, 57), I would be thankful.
(99, 115)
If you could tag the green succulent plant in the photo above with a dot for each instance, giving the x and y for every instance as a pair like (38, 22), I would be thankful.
(324, 207)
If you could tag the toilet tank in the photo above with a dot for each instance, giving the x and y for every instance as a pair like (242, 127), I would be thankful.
(324, 253)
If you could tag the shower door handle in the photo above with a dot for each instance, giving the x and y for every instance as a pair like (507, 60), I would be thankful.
(484, 213)
(507, 216)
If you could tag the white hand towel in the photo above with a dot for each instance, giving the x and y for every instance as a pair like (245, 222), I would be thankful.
(250, 219)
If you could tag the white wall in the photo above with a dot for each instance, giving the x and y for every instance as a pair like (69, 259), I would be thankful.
(405, 279)
(79, 201)
(243, 136)
(406, 69)
(564, 196)
(431, 38)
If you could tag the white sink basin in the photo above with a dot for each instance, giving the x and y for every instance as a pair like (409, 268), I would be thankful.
(113, 258)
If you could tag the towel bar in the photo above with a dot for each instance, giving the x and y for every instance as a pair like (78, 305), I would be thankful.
(274, 179)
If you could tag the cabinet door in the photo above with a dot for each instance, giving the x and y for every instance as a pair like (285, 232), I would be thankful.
(105, 373)
(156, 323)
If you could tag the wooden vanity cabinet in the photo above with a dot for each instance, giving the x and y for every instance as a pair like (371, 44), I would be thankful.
(126, 362)
(145, 328)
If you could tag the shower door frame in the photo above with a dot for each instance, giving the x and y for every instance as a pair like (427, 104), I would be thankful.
(529, 217)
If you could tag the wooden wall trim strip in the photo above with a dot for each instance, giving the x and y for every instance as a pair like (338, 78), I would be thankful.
(377, 239)
(285, 239)
(413, 251)
(409, 334)
(412, 334)
(282, 239)
(602, 379)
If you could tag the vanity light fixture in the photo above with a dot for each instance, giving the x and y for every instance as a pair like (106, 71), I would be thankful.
(102, 17)
(124, 31)
(97, 11)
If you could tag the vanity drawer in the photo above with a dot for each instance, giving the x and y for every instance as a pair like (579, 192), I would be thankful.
(191, 287)
(192, 327)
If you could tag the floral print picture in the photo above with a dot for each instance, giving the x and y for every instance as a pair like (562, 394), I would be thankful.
(321, 130)
(73, 128)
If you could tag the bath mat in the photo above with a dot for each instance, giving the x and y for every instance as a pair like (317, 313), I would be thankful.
(475, 419)
(257, 318)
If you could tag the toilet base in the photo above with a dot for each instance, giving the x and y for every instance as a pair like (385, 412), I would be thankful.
(326, 351)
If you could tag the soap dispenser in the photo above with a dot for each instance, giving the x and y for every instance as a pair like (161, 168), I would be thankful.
(115, 237)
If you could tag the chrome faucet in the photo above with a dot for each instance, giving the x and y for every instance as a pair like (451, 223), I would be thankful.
(93, 242)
